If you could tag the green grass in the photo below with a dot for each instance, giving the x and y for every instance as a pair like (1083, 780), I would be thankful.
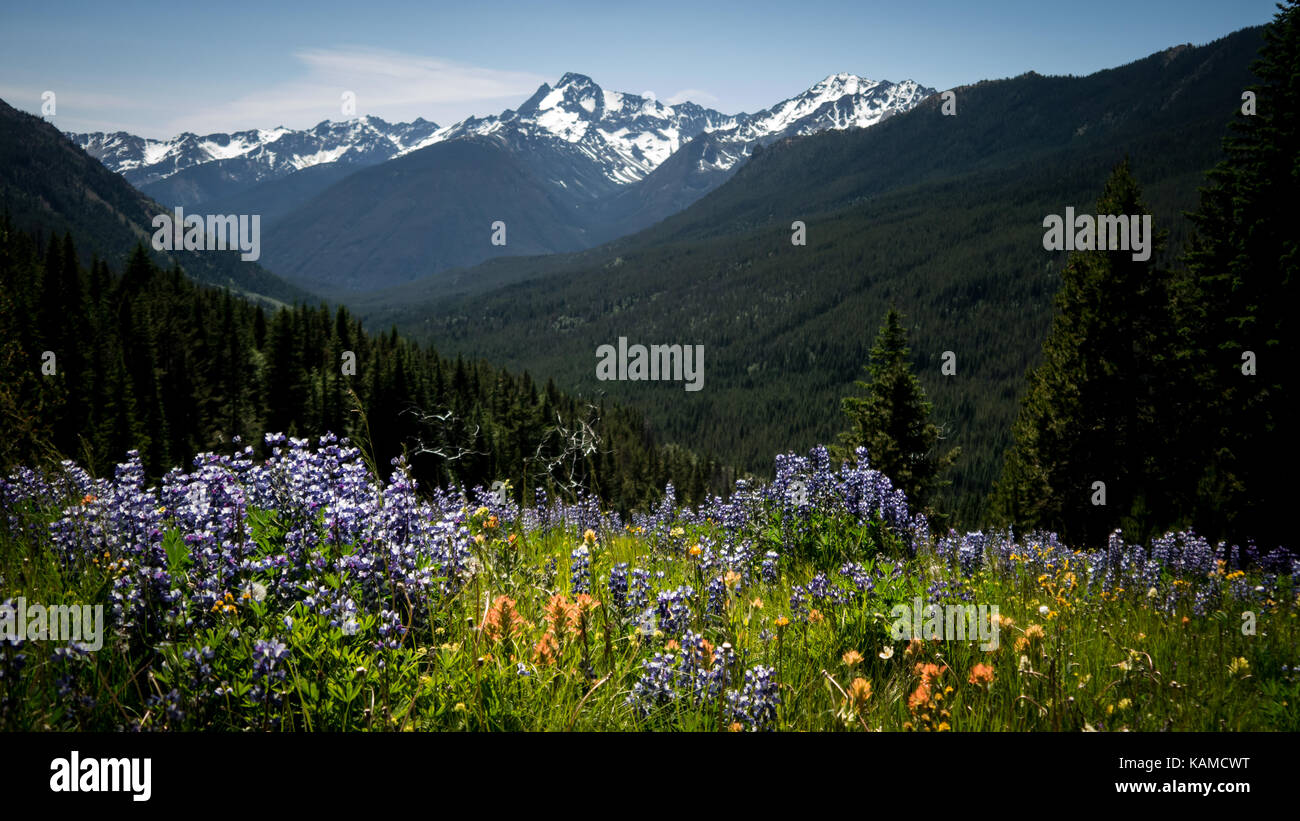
(1110, 662)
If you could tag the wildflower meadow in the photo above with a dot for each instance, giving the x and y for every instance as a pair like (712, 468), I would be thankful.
(301, 593)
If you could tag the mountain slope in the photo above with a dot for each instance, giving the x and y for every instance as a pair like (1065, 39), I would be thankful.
(49, 184)
(691, 172)
(276, 198)
(428, 211)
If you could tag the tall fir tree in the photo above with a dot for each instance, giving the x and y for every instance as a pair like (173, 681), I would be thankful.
(891, 419)
(1236, 304)
(1089, 415)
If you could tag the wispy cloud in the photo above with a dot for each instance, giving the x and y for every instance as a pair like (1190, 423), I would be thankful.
(694, 95)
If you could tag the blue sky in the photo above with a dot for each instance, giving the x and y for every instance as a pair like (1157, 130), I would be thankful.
(159, 69)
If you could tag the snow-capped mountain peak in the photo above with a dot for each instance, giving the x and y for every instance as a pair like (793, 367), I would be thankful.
(627, 135)
(837, 102)
(631, 134)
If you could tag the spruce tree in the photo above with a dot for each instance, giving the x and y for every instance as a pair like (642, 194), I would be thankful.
(891, 419)
(1088, 415)
(1236, 302)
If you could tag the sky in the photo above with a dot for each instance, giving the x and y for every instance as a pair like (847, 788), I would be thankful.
(159, 69)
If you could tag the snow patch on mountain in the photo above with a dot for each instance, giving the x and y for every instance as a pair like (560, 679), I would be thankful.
(272, 152)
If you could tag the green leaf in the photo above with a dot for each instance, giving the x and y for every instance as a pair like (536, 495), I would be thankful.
(178, 554)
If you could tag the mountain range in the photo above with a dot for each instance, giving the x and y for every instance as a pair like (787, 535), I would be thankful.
(364, 204)
(190, 170)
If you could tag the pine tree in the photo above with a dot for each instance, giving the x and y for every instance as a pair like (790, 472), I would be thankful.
(891, 419)
(283, 381)
(234, 373)
(1236, 303)
(27, 434)
(1089, 414)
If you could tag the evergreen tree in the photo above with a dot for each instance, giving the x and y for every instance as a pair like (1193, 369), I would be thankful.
(26, 432)
(1236, 303)
(1090, 412)
(283, 383)
(891, 419)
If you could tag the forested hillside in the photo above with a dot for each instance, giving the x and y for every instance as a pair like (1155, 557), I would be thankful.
(93, 364)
